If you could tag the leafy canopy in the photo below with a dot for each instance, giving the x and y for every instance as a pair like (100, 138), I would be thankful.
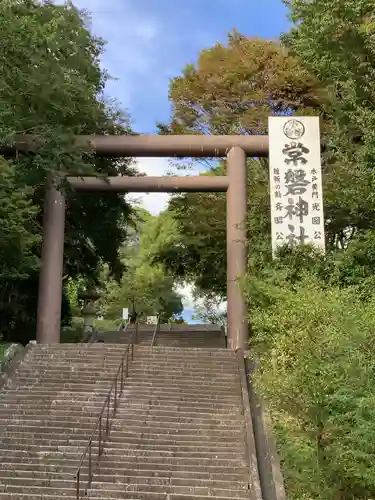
(51, 86)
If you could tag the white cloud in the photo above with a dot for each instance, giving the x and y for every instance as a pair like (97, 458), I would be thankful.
(192, 304)
(187, 293)
(156, 202)
(153, 202)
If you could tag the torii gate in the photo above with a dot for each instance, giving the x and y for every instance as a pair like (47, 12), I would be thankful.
(234, 148)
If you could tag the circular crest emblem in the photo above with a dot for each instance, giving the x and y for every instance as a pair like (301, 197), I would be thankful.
(294, 129)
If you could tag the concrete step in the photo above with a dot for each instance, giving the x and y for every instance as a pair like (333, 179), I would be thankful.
(159, 428)
(124, 495)
(65, 416)
(222, 413)
(127, 468)
(133, 389)
(67, 385)
(72, 456)
(215, 353)
(113, 490)
(180, 419)
(118, 442)
(167, 447)
(213, 386)
(180, 412)
(121, 452)
(115, 482)
(138, 476)
(93, 370)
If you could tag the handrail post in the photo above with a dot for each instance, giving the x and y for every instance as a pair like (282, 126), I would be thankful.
(115, 401)
(127, 361)
(78, 485)
(108, 404)
(122, 371)
(100, 437)
(98, 428)
(90, 465)
(156, 330)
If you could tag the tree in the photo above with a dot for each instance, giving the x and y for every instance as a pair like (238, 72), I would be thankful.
(314, 346)
(50, 86)
(335, 41)
(144, 287)
(231, 90)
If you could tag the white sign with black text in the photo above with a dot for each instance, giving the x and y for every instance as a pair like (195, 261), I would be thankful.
(295, 181)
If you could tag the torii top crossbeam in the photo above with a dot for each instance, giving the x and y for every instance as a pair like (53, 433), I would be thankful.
(197, 146)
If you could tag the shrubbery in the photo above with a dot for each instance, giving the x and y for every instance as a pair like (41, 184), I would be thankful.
(314, 339)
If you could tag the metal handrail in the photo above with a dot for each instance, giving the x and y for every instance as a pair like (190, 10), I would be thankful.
(103, 434)
(156, 330)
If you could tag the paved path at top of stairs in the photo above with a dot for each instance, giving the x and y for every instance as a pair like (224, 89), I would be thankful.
(204, 336)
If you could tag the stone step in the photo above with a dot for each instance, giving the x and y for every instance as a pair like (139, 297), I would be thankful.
(133, 390)
(158, 428)
(144, 445)
(73, 455)
(158, 409)
(209, 369)
(69, 369)
(212, 387)
(113, 490)
(124, 495)
(124, 468)
(184, 364)
(197, 425)
(178, 418)
(79, 355)
(196, 351)
(178, 413)
(91, 410)
(236, 482)
(129, 430)
(194, 401)
(118, 441)
(97, 380)
(199, 454)
(175, 477)
(124, 436)
(24, 393)
(76, 386)
(65, 415)
(120, 451)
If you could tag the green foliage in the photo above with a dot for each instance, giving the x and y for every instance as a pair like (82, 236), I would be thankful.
(51, 86)
(335, 41)
(315, 350)
(145, 287)
(312, 315)
(231, 90)
(73, 333)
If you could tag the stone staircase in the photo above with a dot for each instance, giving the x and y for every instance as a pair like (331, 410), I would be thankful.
(181, 431)
(169, 335)
(48, 409)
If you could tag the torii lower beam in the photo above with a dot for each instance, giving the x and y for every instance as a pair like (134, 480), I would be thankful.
(237, 148)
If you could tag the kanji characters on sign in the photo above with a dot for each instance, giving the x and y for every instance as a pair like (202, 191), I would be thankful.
(295, 182)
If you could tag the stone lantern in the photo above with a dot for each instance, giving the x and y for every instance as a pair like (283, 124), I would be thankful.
(89, 309)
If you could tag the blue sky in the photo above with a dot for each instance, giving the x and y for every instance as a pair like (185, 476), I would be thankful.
(150, 41)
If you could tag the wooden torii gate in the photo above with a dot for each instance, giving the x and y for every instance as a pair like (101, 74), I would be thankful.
(234, 148)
